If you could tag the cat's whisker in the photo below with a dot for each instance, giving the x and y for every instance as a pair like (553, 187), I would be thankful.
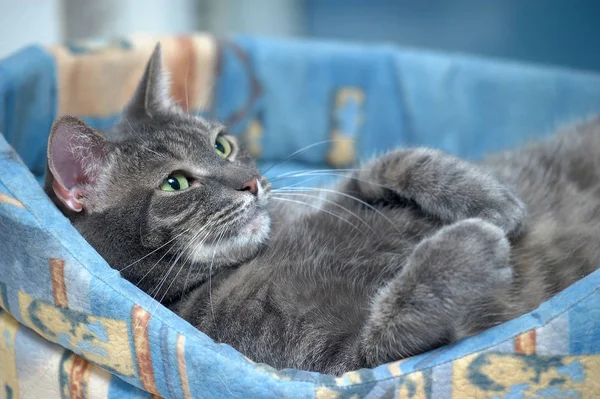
(213, 221)
(203, 228)
(163, 279)
(154, 293)
(296, 153)
(210, 301)
(332, 203)
(333, 173)
(220, 232)
(156, 264)
(295, 184)
(189, 255)
(153, 251)
(207, 229)
(327, 172)
(318, 209)
(346, 195)
(300, 182)
(103, 280)
(173, 280)
(310, 171)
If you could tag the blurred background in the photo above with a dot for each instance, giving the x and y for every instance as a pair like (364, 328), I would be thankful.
(551, 32)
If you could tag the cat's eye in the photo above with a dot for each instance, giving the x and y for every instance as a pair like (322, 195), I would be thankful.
(222, 147)
(175, 182)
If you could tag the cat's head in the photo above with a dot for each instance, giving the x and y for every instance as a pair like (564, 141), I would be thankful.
(162, 178)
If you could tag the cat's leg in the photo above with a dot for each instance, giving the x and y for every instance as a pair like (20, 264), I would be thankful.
(441, 185)
(449, 279)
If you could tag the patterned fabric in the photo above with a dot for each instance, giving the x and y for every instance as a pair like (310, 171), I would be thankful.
(71, 327)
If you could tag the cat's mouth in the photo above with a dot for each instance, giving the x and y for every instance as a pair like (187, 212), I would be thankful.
(256, 218)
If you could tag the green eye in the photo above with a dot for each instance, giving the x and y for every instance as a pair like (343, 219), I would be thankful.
(175, 182)
(222, 147)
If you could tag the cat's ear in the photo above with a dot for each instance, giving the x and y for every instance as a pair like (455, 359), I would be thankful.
(76, 153)
(152, 93)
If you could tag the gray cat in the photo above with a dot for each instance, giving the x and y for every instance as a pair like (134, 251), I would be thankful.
(415, 250)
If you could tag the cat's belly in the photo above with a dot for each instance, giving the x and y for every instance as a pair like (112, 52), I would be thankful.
(305, 311)
(303, 302)
(311, 322)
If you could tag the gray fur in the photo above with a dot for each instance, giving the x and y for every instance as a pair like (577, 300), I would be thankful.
(428, 250)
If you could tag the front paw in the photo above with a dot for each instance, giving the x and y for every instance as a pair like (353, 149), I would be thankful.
(443, 186)
(505, 210)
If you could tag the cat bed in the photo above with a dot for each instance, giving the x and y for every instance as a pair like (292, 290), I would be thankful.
(71, 327)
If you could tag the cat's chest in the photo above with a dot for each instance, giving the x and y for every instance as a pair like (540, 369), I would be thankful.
(364, 237)
(337, 260)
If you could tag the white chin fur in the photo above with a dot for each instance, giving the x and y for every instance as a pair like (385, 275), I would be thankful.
(243, 245)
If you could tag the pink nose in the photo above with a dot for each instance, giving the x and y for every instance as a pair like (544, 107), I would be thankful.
(252, 186)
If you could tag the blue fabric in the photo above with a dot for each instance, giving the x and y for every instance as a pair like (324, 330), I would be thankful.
(464, 105)
(28, 104)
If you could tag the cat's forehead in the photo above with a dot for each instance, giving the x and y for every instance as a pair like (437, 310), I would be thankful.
(189, 126)
(167, 130)
(165, 143)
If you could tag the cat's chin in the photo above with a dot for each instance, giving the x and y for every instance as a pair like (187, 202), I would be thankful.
(257, 228)
(247, 241)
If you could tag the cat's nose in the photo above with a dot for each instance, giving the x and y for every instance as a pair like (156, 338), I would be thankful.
(252, 186)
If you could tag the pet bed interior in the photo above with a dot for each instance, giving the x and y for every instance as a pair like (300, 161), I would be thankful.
(70, 327)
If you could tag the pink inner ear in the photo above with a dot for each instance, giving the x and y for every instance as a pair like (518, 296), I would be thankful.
(69, 197)
(75, 153)
(67, 169)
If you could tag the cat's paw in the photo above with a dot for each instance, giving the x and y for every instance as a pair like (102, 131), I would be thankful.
(471, 259)
(443, 186)
(449, 276)
(504, 210)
